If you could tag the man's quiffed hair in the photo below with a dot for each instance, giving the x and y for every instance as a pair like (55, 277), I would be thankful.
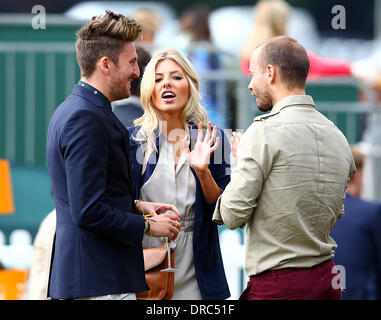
(290, 57)
(104, 36)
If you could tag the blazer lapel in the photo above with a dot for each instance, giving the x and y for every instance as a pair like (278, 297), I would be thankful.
(151, 162)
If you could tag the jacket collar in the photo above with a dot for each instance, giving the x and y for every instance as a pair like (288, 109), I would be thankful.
(292, 101)
(295, 100)
(87, 91)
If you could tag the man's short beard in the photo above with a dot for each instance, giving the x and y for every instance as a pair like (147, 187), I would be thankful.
(266, 103)
(118, 91)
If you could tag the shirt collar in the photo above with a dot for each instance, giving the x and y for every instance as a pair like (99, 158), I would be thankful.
(293, 100)
(95, 91)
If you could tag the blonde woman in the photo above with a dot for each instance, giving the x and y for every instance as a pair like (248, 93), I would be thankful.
(270, 20)
(165, 168)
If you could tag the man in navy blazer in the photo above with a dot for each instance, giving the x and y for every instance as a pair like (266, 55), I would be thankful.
(97, 249)
(358, 236)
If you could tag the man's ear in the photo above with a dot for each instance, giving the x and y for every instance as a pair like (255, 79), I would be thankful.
(104, 64)
(270, 73)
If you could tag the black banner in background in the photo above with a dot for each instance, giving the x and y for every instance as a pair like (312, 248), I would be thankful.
(228, 309)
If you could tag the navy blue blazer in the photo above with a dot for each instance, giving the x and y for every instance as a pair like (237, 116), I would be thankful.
(208, 263)
(358, 237)
(98, 241)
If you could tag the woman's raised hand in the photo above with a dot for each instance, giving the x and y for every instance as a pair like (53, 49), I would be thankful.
(199, 158)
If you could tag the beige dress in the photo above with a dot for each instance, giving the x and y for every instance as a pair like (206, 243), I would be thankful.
(176, 186)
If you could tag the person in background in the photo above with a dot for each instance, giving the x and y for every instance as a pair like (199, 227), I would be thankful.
(358, 238)
(271, 19)
(128, 110)
(194, 28)
(38, 279)
(166, 169)
(368, 70)
(293, 165)
(150, 22)
(97, 251)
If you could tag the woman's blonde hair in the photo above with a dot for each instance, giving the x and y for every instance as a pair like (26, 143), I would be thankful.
(151, 121)
(270, 20)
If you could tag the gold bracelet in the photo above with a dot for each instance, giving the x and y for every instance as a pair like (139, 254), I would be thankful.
(148, 226)
(148, 215)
